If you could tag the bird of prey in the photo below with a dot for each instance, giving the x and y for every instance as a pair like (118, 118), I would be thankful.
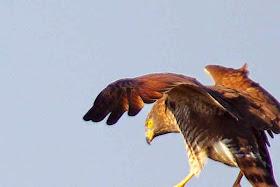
(223, 122)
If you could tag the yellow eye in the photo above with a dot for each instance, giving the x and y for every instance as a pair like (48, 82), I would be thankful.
(150, 123)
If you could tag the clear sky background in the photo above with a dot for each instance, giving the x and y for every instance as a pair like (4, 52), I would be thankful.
(56, 56)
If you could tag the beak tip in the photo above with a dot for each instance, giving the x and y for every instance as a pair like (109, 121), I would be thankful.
(148, 141)
(149, 137)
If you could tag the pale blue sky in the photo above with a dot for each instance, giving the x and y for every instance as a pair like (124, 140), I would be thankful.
(56, 56)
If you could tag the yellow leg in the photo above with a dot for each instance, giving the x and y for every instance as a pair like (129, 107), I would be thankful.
(238, 180)
(184, 181)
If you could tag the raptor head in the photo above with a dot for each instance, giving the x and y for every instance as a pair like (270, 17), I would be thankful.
(160, 120)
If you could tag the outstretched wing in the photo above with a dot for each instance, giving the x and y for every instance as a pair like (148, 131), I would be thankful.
(238, 79)
(131, 94)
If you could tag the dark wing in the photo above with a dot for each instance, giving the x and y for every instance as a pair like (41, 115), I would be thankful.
(238, 79)
(131, 94)
(251, 112)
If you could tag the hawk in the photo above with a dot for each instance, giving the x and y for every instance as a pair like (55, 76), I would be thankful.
(222, 122)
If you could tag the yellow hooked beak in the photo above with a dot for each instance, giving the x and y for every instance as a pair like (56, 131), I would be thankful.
(149, 136)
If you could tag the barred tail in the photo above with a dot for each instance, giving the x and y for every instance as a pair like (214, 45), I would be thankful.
(256, 172)
(255, 163)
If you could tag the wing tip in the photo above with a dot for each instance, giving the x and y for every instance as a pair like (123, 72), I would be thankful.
(89, 115)
(86, 117)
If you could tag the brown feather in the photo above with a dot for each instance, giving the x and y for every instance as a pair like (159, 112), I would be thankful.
(135, 102)
(254, 161)
(238, 79)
